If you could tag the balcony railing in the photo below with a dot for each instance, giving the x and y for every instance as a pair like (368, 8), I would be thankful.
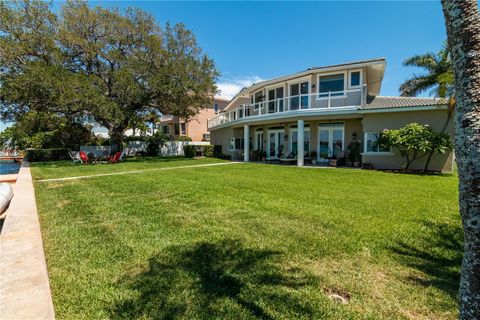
(332, 100)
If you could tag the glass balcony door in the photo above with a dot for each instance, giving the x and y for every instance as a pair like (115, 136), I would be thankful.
(275, 100)
(299, 98)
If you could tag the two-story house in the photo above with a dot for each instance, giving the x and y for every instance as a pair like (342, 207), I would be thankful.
(196, 128)
(324, 109)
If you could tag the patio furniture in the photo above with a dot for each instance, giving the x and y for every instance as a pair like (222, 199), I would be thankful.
(291, 158)
(117, 157)
(83, 157)
(367, 166)
(75, 156)
(341, 158)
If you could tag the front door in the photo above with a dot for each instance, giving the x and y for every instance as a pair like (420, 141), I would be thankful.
(275, 145)
(330, 141)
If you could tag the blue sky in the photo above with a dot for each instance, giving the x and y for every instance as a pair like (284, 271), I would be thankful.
(253, 41)
(261, 40)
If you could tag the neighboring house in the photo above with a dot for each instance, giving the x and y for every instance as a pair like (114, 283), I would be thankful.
(196, 128)
(332, 106)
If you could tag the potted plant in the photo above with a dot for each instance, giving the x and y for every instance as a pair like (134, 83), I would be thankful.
(313, 157)
(255, 155)
(263, 155)
(354, 153)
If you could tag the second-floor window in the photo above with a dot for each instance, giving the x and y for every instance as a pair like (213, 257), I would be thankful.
(331, 85)
(354, 79)
(215, 107)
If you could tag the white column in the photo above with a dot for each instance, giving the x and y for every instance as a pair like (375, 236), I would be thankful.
(246, 143)
(301, 142)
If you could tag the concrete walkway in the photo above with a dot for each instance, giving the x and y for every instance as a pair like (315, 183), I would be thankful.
(137, 171)
(24, 288)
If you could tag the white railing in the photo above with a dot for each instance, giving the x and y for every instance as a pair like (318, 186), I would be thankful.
(331, 100)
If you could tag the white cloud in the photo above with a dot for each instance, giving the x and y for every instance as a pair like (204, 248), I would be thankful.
(229, 87)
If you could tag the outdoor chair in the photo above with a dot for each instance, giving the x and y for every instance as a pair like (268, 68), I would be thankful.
(341, 158)
(291, 158)
(75, 157)
(117, 157)
(83, 157)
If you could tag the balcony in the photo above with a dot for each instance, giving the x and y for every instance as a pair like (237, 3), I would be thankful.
(328, 101)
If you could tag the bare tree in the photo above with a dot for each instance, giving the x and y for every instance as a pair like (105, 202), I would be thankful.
(462, 20)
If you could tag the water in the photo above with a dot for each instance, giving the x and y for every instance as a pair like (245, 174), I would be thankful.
(9, 167)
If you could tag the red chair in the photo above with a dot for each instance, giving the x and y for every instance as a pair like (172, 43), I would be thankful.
(83, 157)
(115, 158)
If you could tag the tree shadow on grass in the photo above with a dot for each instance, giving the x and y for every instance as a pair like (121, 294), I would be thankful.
(438, 255)
(214, 280)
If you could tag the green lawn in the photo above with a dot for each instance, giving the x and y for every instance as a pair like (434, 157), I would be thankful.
(249, 241)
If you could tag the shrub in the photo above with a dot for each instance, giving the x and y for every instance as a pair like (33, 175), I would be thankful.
(135, 138)
(34, 155)
(225, 156)
(217, 151)
(189, 151)
(154, 142)
(354, 151)
(184, 139)
(415, 141)
(207, 151)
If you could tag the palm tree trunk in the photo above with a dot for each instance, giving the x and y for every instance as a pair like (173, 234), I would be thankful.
(463, 28)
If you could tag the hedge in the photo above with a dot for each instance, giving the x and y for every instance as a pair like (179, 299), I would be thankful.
(190, 151)
(35, 155)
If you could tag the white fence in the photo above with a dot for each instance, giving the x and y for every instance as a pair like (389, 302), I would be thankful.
(134, 147)
(170, 149)
(175, 148)
(98, 151)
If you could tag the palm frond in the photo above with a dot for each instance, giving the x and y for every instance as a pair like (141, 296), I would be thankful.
(427, 61)
(416, 85)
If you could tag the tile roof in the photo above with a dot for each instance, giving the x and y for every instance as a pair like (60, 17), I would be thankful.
(384, 102)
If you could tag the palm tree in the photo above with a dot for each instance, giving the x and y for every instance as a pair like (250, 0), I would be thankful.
(439, 79)
(153, 117)
(462, 20)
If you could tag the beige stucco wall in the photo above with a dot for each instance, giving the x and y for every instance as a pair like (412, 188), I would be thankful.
(377, 122)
